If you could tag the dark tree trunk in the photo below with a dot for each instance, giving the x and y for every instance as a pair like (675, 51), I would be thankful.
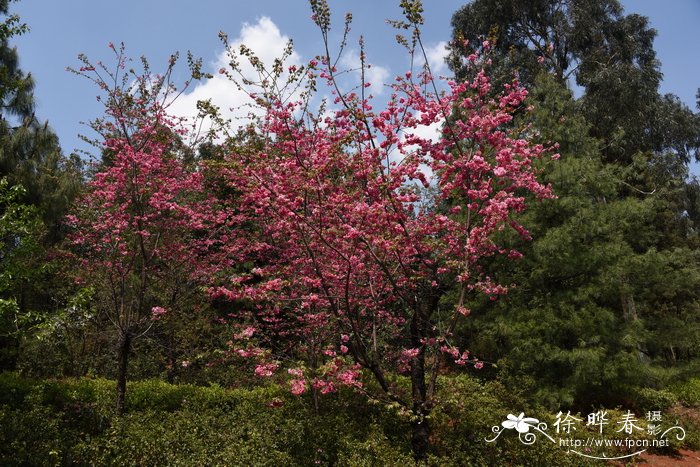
(123, 357)
(314, 366)
(172, 360)
(420, 437)
(420, 440)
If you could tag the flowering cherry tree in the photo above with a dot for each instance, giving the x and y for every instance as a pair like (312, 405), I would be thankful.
(354, 226)
(141, 227)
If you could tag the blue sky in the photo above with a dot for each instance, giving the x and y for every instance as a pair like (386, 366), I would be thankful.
(156, 28)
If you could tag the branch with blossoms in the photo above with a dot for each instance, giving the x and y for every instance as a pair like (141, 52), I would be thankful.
(134, 98)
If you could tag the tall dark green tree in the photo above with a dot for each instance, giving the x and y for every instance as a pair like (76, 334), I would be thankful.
(593, 44)
(607, 302)
(45, 181)
(30, 154)
(607, 299)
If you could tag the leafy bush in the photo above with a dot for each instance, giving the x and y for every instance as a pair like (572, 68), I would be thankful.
(31, 436)
(72, 421)
(647, 399)
(688, 392)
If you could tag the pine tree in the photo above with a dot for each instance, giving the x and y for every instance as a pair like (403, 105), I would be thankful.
(594, 44)
(607, 292)
(42, 181)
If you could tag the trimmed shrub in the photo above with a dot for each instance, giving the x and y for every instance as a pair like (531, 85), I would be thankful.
(72, 421)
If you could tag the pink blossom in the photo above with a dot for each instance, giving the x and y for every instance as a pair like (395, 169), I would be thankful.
(513, 254)
(325, 387)
(158, 312)
(248, 332)
(265, 370)
(346, 243)
(298, 386)
(349, 378)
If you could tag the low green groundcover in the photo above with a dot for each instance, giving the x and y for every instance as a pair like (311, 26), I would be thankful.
(71, 421)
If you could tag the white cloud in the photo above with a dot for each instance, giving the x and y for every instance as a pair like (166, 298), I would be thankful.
(267, 42)
(436, 57)
(430, 132)
(376, 75)
(265, 39)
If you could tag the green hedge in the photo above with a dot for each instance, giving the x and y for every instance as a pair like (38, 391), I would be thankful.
(71, 421)
(688, 392)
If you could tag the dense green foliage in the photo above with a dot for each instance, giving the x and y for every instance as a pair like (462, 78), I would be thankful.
(72, 421)
(38, 185)
(610, 297)
(606, 304)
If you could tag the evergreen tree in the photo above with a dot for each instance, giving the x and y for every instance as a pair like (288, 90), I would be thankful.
(607, 299)
(594, 44)
(41, 180)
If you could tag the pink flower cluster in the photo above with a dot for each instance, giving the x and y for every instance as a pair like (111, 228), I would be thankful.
(266, 370)
(157, 312)
(298, 382)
